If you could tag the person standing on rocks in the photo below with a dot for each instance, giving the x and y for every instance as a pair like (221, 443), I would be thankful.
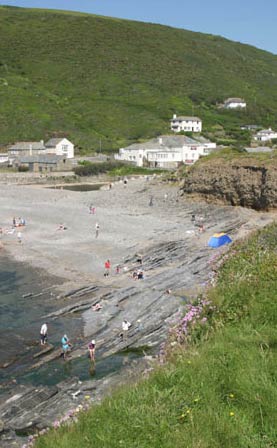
(91, 350)
(66, 346)
(97, 227)
(43, 334)
(125, 327)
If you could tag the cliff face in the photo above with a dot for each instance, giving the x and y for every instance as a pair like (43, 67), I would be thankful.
(241, 183)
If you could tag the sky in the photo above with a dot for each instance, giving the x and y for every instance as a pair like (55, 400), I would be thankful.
(248, 21)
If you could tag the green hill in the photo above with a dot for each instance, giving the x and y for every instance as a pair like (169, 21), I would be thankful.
(94, 78)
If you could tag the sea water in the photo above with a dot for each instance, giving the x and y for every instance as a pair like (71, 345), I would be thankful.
(26, 296)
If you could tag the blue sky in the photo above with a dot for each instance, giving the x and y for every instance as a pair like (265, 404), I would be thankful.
(247, 21)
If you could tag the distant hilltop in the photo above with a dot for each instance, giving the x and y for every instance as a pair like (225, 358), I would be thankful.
(107, 83)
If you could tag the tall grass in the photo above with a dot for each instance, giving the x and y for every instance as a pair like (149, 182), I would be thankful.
(218, 392)
(107, 83)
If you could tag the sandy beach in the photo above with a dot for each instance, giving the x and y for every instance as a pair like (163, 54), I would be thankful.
(127, 225)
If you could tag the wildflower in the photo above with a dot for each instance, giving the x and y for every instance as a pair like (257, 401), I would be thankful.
(196, 400)
(231, 395)
(87, 397)
(189, 362)
(188, 411)
(232, 414)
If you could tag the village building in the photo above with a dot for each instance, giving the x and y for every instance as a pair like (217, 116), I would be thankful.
(46, 163)
(265, 135)
(55, 146)
(258, 149)
(234, 103)
(4, 158)
(60, 147)
(20, 149)
(166, 151)
(186, 124)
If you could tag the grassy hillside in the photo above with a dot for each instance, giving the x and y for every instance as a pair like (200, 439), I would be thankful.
(219, 387)
(94, 78)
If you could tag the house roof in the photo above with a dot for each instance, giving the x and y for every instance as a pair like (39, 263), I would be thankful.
(259, 149)
(44, 158)
(53, 142)
(25, 146)
(266, 132)
(164, 142)
(234, 100)
(184, 117)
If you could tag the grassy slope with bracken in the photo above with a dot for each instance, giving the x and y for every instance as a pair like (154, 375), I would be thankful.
(218, 389)
(91, 78)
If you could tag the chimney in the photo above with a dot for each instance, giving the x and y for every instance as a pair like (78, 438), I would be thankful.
(31, 150)
(42, 142)
(160, 140)
(174, 116)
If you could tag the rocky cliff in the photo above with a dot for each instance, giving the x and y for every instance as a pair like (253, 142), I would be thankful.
(245, 182)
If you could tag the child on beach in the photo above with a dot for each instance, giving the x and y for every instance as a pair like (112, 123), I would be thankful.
(66, 346)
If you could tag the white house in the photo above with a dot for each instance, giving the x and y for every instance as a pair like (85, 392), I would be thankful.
(186, 124)
(4, 158)
(234, 103)
(265, 135)
(56, 146)
(60, 147)
(166, 151)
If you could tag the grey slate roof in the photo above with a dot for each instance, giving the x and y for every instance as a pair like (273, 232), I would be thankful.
(165, 142)
(25, 146)
(53, 142)
(47, 158)
(183, 118)
(234, 100)
(259, 149)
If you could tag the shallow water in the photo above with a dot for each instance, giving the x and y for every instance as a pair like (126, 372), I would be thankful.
(21, 316)
(79, 187)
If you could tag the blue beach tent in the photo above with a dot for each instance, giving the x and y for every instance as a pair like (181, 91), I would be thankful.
(219, 239)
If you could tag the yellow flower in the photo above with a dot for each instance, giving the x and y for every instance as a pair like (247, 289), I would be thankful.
(188, 411)
(87, 397)
(232, 414)
(189, 362)
(231, 395)
(183, 415)
(196, 400)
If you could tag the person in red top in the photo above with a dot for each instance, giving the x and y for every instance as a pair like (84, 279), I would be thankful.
(107, 268)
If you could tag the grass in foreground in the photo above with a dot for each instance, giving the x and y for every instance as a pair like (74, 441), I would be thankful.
(221, 390)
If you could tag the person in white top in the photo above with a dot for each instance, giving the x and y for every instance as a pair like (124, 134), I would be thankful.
(43, 334)
(125, 327)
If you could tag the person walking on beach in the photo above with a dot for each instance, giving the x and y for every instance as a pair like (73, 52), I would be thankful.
(66, 346)
(125, 327)
(107, 268)
(91, 350)
(43, 334)
(97, 227)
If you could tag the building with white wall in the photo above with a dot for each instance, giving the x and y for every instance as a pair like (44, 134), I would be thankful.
(166, 151)
(234, 103)
(186, 124)
(60, 147)
(54, 146)
(265, 135)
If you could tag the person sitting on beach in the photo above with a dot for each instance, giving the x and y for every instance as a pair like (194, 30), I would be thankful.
(62, 227)
(91, 349)
(96, 307)
(66, 346)
(135, 275)
(140, 275)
